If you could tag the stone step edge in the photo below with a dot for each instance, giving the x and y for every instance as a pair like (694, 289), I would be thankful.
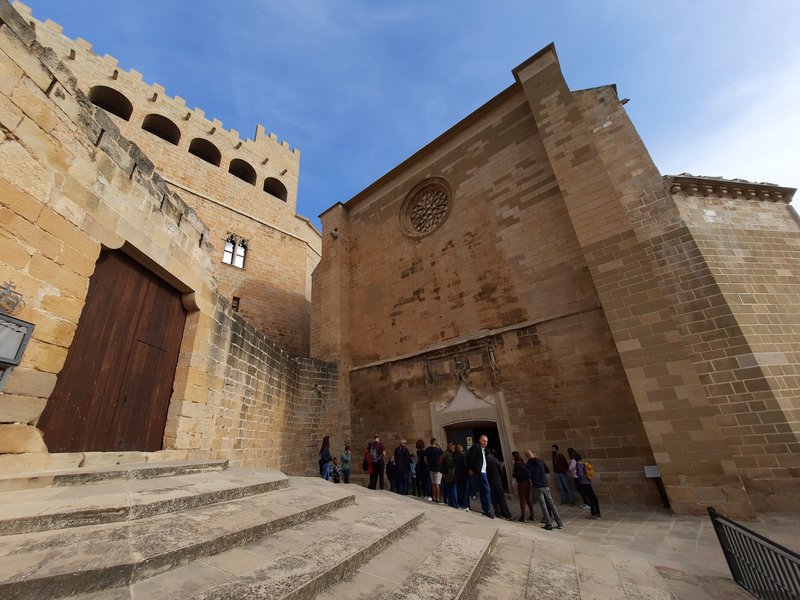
(471, 581)
(128, 471)
(241, 587)
(64, 585)
(335, 574)
(468, 586)
(116, 514)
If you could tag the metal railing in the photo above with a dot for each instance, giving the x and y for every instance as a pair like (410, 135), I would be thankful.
(765, 569)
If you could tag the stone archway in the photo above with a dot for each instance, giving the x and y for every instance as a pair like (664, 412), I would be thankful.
(465, 407)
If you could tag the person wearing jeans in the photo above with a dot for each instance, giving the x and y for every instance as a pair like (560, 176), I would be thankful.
(537, 469)
(573, 476)
(476, 463)
(561, 470)
(325, 458)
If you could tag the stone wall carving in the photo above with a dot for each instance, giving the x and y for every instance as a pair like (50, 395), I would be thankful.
(426, 207)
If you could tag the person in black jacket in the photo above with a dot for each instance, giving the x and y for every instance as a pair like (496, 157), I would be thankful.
(538, 471)
(402, 461)
(476, 463)
(462, 475)
(493, 469)
(523, 486)
(423, 475)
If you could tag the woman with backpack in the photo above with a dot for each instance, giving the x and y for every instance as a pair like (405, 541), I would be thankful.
(584, 482)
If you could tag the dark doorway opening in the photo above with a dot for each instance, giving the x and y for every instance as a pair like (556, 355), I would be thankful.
(467, 434)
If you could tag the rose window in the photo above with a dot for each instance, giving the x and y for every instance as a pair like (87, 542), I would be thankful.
(425, 208)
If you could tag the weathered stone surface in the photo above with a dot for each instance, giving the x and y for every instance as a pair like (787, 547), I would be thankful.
(20, 439)
(14, 465)
(119, 553)
(20, 409)
(124, 500)
(72, 180)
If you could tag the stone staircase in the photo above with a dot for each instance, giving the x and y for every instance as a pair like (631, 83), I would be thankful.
(204, 531)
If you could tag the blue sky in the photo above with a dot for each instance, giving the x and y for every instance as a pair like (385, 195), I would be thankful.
(359, 85)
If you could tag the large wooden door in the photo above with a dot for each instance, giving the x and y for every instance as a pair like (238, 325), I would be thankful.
(113, 392)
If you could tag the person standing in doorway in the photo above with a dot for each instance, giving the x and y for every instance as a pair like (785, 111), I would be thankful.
(476, 463)
(377, 456)
(450, 492)
(561, 474)
(462, 476)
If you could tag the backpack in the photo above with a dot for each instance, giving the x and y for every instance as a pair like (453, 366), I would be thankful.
(373, 452)
(588, 469)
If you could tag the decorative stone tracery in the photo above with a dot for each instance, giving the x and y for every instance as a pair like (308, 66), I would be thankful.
(426, 207)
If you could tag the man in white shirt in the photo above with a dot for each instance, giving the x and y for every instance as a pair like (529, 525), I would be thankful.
(476, 463)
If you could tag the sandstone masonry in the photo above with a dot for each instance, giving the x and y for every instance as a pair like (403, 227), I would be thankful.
(73, 186)
(565, 292)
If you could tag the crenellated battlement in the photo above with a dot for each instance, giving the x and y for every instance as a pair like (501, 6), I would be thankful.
(51, 34)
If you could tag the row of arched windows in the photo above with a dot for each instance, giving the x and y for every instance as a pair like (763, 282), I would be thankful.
(117, 104)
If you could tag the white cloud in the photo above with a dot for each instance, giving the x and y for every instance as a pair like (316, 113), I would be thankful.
(754, 131)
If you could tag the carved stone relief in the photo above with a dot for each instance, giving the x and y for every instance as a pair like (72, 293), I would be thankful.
(426, 207)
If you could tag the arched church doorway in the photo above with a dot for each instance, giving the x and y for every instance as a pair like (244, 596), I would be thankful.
(469, 433)
(114, 390)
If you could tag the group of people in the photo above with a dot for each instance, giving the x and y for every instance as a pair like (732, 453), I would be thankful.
(332, 468)
(451, 475)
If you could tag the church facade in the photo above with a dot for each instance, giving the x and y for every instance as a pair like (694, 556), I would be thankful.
(530, 275)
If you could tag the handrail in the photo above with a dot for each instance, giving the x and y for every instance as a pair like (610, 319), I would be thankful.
(764, 568)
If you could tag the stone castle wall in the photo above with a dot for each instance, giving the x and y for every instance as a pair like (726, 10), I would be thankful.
(274, 288)
(71, 184)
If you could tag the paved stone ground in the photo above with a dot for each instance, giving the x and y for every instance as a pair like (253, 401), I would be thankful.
(689, 543)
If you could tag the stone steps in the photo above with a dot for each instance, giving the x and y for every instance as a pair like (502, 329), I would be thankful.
(130, 471)
(305, 538)
(452, 570)
(114, 500)
(296, 563)
(52, 564)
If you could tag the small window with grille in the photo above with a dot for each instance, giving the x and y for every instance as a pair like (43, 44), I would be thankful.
(235, 250)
